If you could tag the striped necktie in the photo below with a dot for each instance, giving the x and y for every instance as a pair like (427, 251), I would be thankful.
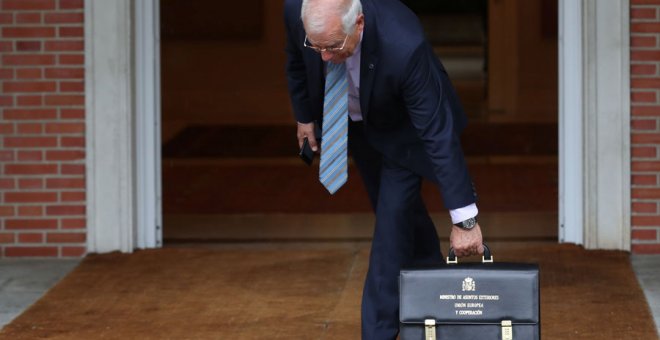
(333, 169)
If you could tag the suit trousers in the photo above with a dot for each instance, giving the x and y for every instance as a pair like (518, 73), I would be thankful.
(404, 234)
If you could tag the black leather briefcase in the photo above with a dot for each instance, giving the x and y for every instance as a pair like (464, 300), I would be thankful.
(470, 301)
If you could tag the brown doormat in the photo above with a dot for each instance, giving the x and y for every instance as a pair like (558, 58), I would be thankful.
(302, 292)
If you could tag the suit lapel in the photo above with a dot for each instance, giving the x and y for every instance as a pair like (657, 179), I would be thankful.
(369, 58)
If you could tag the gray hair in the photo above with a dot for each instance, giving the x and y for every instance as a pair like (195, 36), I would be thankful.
(315, 20)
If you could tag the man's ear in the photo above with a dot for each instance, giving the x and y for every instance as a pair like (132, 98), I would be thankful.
(360, 21)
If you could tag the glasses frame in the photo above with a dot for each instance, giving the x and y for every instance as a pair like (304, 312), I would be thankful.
(326, 49)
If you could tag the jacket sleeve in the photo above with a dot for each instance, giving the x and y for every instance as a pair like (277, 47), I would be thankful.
(429, 99)
(295, 65)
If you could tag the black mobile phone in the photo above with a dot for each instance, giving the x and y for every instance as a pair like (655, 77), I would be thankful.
(306, 153)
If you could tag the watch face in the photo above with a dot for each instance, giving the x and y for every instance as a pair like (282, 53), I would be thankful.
(469, 223)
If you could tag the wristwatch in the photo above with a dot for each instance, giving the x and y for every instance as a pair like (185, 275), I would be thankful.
(467, 224)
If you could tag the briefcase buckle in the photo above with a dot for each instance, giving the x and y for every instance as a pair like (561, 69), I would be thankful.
(507, 330)
(429, 325)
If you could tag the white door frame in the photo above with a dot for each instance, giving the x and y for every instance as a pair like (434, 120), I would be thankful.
(148, 134)
(594, 123)
(123, 133)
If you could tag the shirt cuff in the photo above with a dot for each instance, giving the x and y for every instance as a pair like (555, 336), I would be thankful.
(462, 214)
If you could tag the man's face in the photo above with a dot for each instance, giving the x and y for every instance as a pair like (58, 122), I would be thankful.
(334, 37)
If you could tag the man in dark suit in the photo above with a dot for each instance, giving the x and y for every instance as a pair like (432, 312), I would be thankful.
(403, 122)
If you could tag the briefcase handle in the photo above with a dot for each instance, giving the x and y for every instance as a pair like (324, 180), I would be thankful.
(486, 258)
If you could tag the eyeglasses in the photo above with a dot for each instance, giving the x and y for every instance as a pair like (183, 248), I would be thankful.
(331, 49)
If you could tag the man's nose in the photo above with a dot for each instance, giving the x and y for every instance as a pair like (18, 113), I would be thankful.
(326, 56)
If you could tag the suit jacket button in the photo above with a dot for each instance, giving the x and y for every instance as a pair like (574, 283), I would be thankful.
(371, 66)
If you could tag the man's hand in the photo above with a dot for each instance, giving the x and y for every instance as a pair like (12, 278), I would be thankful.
(307, 130)
(466, 242)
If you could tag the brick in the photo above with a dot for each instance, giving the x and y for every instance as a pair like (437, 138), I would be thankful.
(30, 142)
(28, 46)
(6, 211)
(645, 2)
(29, 73)
(30, 238)
(28, 18)
(644, 152)
(30, 155)
(650, 193)
(6, 129)
(6, 238)
(30, 101)
(6, 155)
(646, 166)
(73, 251)
(643, 13)
(28, 4)
(643, 41)
(65, 128)
(69, 32)
(644, 179)
(30, 86)
(30, 197)
(31, 169)
(28, 32)
(646, 220)
(67, 155)
(65, 73)
(6, 18)
(65, 100)
(72, 142)
(646, 55)
(30, 183)
(6, 100)
(28, 59)
(66, 237)
(74, 223)
(644, 234)
(65, 210)
(73, 114)
(30, 251)
(71, 59)
(645, 83)
(74, 196)
(30, 114)
(72, 86)
(646, 248)
(645, 138)
(643, 124)
(7, 184)
(6, 73)
(65, 45)
(71, 4)
(30, 128)
(30, 211)
(30, 224)
(642, 70)
(645, 27)
(6, 46)
(64, 18)
(72, 169)
(65, 183)
(643, 97)
(648, 111)
(644, 207)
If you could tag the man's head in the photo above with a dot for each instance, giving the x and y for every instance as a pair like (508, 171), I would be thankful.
(333, 27)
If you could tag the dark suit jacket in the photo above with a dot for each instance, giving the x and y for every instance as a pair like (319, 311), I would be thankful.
(411, 112)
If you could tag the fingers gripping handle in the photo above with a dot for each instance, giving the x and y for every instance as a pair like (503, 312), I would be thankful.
(486, 258)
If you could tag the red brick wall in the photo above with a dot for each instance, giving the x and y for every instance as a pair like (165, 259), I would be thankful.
(645, 125)
(42, 128)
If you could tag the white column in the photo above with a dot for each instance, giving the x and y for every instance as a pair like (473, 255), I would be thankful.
(607, 124)
(109, 123)
(147, 102)
(571, 193)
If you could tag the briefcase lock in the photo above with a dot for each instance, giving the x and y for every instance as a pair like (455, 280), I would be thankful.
(507, 330)
(429, 329)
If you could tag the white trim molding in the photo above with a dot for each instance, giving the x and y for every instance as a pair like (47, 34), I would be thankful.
(571, 193)
(606, 93)
(147, 134)
(109, 123)
(594, 123)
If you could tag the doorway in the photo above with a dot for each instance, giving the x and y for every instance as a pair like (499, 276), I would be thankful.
(229, 167)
